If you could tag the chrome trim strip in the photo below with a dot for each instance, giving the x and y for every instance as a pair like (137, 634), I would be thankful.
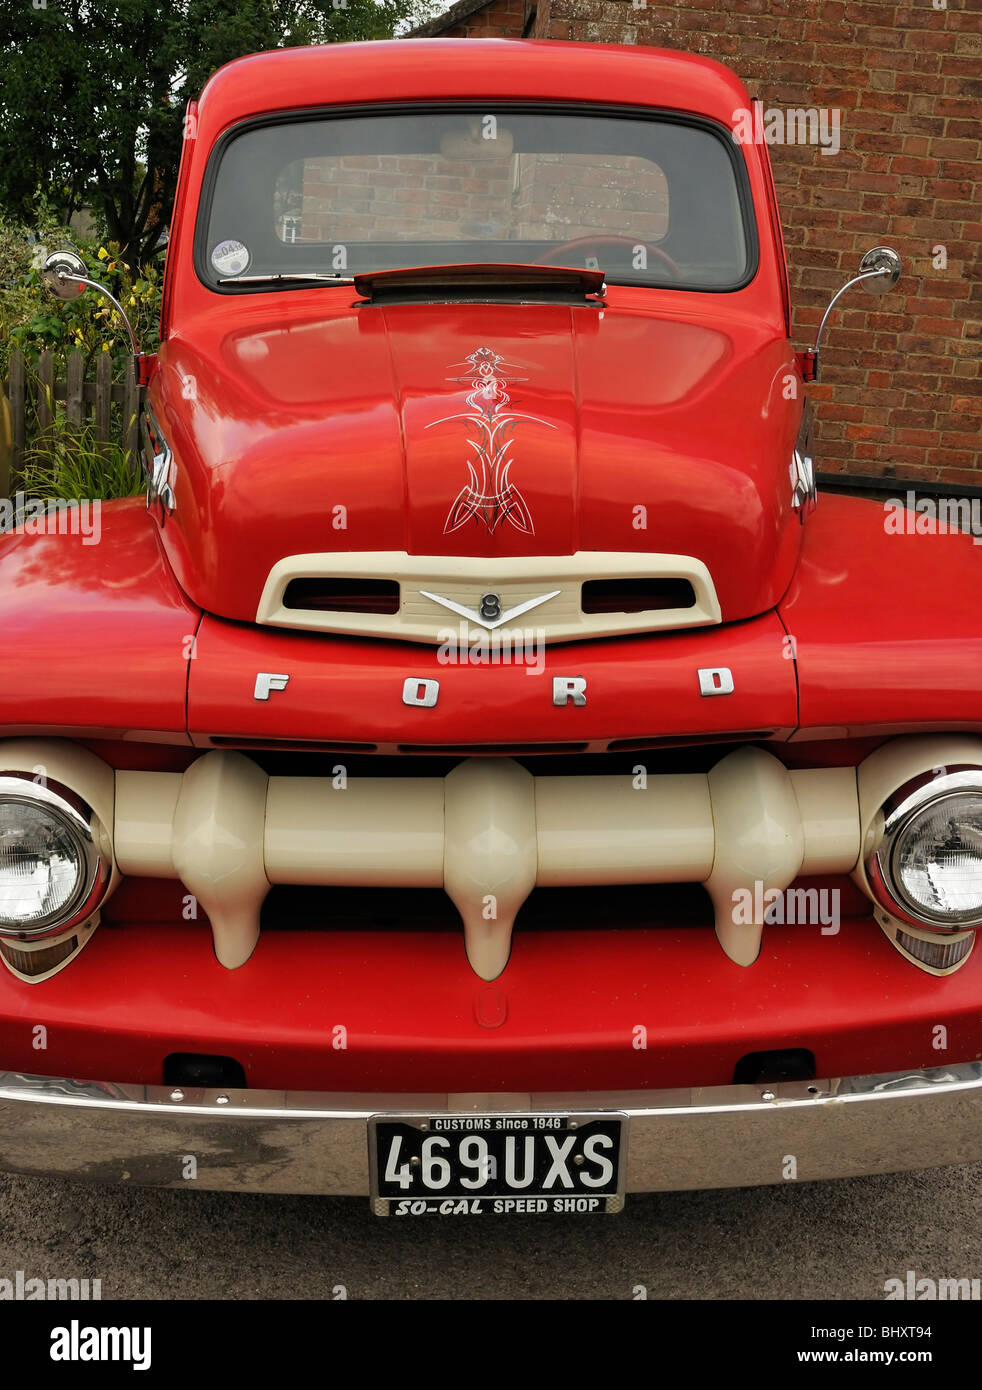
(271, 1141)
(804, 482)
(158, 462)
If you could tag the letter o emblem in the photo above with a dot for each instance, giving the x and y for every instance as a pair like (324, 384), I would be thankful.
(417, 691)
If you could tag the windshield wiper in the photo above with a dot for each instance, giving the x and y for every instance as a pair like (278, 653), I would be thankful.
(276, 279)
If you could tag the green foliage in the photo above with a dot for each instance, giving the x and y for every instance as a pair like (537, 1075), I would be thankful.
(18, 282)
(90, 322)
(68, 462)
(94, 93)
(32, 320)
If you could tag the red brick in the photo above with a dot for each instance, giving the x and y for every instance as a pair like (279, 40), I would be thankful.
(903, 380)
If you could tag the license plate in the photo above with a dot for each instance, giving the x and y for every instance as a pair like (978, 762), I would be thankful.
(496, 1165)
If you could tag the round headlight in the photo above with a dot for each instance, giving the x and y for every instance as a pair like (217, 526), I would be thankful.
(937, 860)
(926, 869)
(41, 866)
(54, 859)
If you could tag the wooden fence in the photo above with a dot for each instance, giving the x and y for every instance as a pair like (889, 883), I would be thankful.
(86, 402)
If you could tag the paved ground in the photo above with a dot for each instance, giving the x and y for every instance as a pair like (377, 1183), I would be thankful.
(821, 1240)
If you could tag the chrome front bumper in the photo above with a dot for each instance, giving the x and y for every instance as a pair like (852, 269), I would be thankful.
(267, 1141)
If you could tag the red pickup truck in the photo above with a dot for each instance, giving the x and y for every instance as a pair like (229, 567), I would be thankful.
(480, 777)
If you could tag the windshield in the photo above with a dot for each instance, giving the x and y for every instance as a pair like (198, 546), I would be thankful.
(651, 200)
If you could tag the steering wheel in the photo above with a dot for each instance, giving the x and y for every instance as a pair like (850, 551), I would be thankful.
(578, 242)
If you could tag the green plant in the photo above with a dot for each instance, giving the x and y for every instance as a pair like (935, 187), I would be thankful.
(18, 293)
(68, 462)
(30, 319)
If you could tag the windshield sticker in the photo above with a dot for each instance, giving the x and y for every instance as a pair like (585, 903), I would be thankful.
(490, 497)
(230, 258)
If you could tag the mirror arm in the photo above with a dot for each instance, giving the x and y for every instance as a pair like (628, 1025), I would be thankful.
(142, 364)
(94, 284)
(810, 358)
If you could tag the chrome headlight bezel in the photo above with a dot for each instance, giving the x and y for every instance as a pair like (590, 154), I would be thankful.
(894, 819)
(87, 834)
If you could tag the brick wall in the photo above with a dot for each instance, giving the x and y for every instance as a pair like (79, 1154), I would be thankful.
(431, 196)
(901, 390)
(400, 197)
(500, 19)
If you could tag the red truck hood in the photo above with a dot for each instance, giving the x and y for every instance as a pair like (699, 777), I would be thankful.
(304, 425)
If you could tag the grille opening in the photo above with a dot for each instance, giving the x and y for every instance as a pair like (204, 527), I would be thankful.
(626, 906)
(154, 902)
(636, 595)
(203, 1069)
(299, 907)
(591, 907)
(786, 1064)
(343, 595)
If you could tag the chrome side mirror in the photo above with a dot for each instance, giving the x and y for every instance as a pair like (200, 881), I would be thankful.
(879, 271)
(66, 275)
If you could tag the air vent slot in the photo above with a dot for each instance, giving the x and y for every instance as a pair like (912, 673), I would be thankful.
(342, 595)
(638, 745)
(509, 750)
(636, 595)
(292, 745)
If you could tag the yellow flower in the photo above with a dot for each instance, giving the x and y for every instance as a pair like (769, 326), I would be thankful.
(132, 299)
(103, 254)
(105, 347)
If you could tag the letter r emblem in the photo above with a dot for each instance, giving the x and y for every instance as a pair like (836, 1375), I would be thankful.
(566, 688)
